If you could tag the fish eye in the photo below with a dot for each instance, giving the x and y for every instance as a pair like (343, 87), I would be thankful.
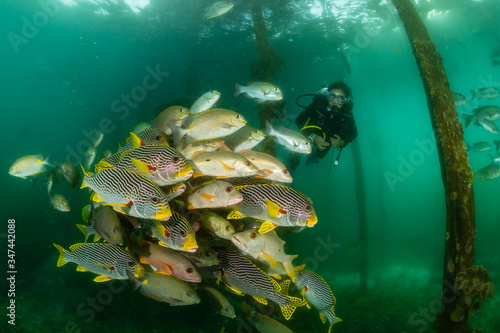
(112, 268)
(158, 138)
(155, 200)
(176, 159)
(228, 228)
(229, 189)
(308, 208)
(189, 270)
(285, 171)
(188, 294)
(248, 163)
(253, 235)
(208, 254)
(237, 116)
(183, 233)
(276, 89)
(130, 264)
(227, 309)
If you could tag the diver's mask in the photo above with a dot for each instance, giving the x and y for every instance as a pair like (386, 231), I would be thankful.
(336, 98)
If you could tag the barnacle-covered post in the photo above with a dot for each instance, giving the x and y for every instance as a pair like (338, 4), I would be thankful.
(263, 69)
(455, 169)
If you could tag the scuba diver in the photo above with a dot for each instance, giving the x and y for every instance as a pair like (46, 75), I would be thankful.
(327, 122)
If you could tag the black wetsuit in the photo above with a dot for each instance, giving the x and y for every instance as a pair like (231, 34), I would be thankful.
(317, 119)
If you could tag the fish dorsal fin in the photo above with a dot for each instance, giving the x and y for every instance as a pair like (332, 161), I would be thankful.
(274, 210)
(102, 278)
(102, 165)
(235, 215)
(73, 247)
(95, 197)
(80, 268)
(261, 300)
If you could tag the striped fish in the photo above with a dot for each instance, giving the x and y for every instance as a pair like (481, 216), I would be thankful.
(171, 115)
(208, 124)
(161, 164)
(165, 288)
(176, 233)
(106, 260)
(277, 204)
(243, 277)
(263, 323)
(317, 292)
(149, 136)
(129, 193)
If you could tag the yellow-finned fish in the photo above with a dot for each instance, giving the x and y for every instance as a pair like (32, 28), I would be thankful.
(317, 292)
(149, 136)
(30, 165)
(243, 277)
(269, 166)
(266, 247)
(213, 195)
(165, 260)
(161, 164)
(222, 164)
(277, 204)
(129, 193)
(106, 260)
(209, 124)
(176, 233)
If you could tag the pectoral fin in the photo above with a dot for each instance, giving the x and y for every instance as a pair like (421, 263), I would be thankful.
(266, 227)
(207, 196)
(227, 167)
(274, 210)
(102, 278)
(269, 258)
(143, 167)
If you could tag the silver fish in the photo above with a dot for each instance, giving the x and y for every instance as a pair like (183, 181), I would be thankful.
(260, 91)
(269, 166)
(30, 165)
(491, 171)
(245, 138)
(214, 224)
(71, 174)
(479, 147)
(290, 139)
(219, 8)
(485, 93)
(205, 102)
(459, 99)
(88, 158)
(60, 203)
(223, 164)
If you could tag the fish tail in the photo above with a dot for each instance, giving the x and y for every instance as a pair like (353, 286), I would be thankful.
(269, 129)
(83, 229)
(85, 175)
(473, 94)
(237, 88)
(289, 309)
(497, 144)
(178, 133)
(48, 162)
(468, 119)
(62, 254)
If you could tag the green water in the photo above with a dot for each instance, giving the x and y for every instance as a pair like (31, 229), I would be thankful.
(67, 67)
